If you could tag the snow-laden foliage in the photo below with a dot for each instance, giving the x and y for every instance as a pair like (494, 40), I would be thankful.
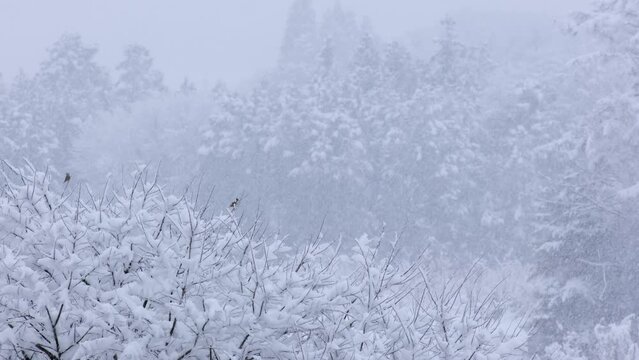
(610, 341)
(585, 202)
(137, 78)
(374, 134)
(41, 116)
(133, 272)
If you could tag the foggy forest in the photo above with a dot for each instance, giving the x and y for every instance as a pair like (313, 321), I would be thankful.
(361, 180)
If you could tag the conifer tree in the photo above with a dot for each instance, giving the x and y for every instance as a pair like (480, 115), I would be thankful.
(137, 78)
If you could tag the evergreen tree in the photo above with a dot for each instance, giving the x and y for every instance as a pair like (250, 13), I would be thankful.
(137, 78)
(70, 83)
(327, 58)
(399, 69)
(25, 133)
(342, 30)
(445, 128)
(587, 214)
(300, 46)
(366, 65)
(68, 89)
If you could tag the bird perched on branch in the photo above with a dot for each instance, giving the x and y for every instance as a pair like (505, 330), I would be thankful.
(234, 204)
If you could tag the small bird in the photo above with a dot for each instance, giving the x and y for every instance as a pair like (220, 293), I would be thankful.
(67, 178)
(234, 204)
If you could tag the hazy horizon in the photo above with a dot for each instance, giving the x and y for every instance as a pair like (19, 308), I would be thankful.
(233, 41)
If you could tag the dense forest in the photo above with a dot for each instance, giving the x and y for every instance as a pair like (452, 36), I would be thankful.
(363, 199)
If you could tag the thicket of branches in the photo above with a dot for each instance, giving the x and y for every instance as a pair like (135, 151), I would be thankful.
(133, 272)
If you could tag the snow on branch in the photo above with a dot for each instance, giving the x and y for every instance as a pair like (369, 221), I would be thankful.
(136, 273)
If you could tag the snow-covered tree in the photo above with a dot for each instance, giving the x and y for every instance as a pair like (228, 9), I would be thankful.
(366, 64)
(587, 222)
(442, 124)
(25, 132)
(299, 47)
(70, 83)
(68, 89)
(137, 78)
(341, 29)
(399, 69)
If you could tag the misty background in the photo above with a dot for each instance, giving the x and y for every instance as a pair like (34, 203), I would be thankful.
(212, 41)
(498, 136)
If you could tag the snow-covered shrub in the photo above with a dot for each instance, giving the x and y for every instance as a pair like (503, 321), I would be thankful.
(133, 273)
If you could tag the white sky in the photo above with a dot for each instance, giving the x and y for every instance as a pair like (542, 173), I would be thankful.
(213, 39)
